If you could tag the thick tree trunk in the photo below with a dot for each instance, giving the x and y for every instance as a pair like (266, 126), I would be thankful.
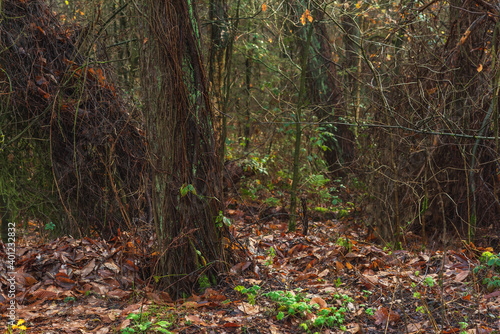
(186, 189)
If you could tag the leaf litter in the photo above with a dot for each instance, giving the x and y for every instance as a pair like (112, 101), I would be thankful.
(92, 286)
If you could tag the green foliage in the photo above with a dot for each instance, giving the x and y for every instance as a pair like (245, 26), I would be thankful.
(318, 181)
(272, 201)
(250, 292)
(489, 270)
(292, 304)
(345, 242)
(50, 226)
(27, 189)
(317, 187)
(189, 188)
(204, 282)
(463, 326)
(141, 324)
(429, 281)
(421, 309)
(221, 219)
(271, 254)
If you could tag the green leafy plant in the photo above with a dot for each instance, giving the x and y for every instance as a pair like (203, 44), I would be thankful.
(50, 226)
(250, 292)
(421, 309)
(489, 270)
(346, 243)
(221, 220)
(463, 326)
(272, 201)
(204, 282)
(141, 324)
(429, 281)
(338, 282)
(271, 254)
(291, 304)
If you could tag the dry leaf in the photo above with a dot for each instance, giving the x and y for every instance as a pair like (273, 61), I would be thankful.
(88, 268)
(382, 316)
(353, 328)
(320, 301)
(194, 319)
(190, 304)
(465, 36)
(249, 309)
(461, 275)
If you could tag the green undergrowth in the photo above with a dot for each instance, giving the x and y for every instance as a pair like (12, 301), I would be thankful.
(155, 320)
(489, 271)
(294, 304)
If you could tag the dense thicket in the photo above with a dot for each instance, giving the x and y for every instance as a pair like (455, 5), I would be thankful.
(72, 150)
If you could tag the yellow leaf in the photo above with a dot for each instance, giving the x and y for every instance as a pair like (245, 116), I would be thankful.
(264, 7)
(358, 5)
(480, 68)
(306, 15)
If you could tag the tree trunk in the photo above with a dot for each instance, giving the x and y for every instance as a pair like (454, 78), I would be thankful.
(186, 189)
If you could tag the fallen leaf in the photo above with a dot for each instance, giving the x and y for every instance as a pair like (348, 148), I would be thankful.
(382, 316)
(461, 275)
(194, 319)
(318, 300)
(119, 294)
(324, 273)
(190, 305)
(231, 325)
(414, 328)
(88, 268)
(249, 309)
(353, 328)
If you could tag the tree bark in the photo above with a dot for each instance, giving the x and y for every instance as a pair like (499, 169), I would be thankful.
(186, 189)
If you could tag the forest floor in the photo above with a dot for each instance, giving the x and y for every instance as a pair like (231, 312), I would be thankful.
(333, 280)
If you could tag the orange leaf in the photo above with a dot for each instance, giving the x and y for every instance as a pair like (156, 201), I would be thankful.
(465, 36)
(42, 31)
(231, 325)
(339, 265)
(308, 15)
(264, 7)
(318, 300)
